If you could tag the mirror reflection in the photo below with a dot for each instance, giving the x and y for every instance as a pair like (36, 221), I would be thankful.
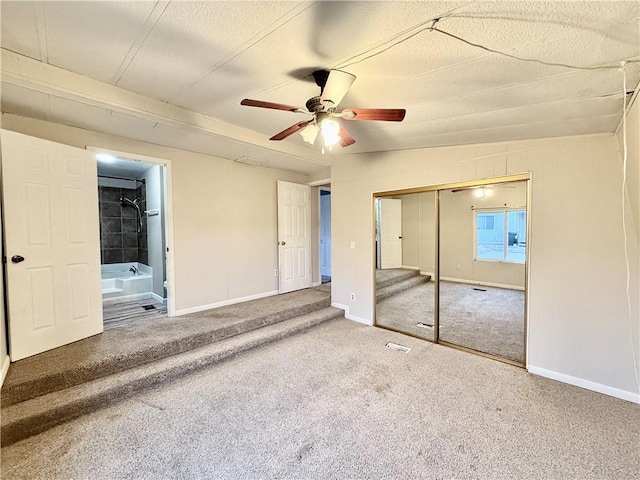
(482, 268)
(405, 263)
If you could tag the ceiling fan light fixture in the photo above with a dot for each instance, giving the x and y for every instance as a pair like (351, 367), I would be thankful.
(330, 132)
(334, 85)
(484, 192)
(310, 133)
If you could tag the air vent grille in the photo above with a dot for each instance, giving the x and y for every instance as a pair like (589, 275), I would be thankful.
(400, 348)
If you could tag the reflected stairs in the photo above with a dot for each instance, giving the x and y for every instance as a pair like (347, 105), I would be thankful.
(54, 387)
(393, 281)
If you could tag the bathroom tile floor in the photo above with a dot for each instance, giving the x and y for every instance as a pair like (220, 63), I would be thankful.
(122, 313)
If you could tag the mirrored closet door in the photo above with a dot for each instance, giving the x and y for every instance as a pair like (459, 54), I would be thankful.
(405, 263)
(451, 265)
(483, 232)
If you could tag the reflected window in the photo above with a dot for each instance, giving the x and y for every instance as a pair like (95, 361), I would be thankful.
(501, 235)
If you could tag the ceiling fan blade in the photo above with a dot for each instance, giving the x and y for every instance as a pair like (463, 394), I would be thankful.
(274, 106)
(292, 129)
(345, 137)
(382, 114)
(337, 86)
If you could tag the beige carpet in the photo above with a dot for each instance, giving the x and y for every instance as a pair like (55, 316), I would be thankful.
(490, 321)
(334, 403)
(142, 340)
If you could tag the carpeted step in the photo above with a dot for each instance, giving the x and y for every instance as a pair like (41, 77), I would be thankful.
(387, 277)
(394, 288)
(120, 349)
(36, 415)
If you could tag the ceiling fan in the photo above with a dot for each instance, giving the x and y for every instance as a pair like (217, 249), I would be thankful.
(334, 85)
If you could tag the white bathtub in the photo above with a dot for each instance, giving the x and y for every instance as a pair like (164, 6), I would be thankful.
(119, 282)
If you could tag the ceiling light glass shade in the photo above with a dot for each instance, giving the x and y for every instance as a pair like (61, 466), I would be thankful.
(484, 192)
(330, 132)
(309, 133)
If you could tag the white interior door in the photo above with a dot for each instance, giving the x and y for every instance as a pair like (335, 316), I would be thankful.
(52, 241)
(294, 236)
(325, 234)
(390, 225)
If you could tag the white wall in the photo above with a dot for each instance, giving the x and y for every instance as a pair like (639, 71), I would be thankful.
(225, 216)
(4, 357)
(154, 186)
(633, 162)
(632, 211)
(579, 326)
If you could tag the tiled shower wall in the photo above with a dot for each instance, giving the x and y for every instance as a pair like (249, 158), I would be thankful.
(119, 237)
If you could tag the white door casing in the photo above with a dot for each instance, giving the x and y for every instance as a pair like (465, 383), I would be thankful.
(294, 236)
(390, 226)
(325, 235)
(50, 196)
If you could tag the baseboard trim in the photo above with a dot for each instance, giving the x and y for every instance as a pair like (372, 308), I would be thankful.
(348, 316)
(407, 267)
(232, 301)
(484, 284)
(158, 298)
(5, 369)
(316, 284)
(431, 274)
(587, 384)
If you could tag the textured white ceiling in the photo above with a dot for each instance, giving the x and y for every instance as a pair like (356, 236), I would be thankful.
(207, 56)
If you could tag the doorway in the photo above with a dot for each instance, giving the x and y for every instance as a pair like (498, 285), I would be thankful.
(52, 236)
(472, 238)
(325, 234)
(133, 242)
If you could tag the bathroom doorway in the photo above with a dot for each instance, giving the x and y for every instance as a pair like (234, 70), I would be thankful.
(133, 238)
(325, 234)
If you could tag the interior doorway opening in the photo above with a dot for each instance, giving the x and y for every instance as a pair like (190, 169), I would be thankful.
(133, 239)
(325, 234)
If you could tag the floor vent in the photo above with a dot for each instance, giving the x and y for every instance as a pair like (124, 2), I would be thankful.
(424, 325)
(480, 289)
(400, 348)
(149, 307)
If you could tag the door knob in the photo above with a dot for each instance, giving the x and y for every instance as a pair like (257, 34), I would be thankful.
(283, 243)
(17, 259)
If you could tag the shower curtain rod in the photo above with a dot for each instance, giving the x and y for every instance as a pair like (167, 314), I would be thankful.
(122, 178)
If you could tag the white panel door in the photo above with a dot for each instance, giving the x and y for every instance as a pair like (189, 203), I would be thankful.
(294, 236)
(50, 194)
(325, 235)
(390, 233)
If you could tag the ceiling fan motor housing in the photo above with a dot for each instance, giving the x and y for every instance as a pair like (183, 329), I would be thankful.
(314, 104)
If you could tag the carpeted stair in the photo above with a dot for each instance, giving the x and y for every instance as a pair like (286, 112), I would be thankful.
(392, 282)
(57, 386)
